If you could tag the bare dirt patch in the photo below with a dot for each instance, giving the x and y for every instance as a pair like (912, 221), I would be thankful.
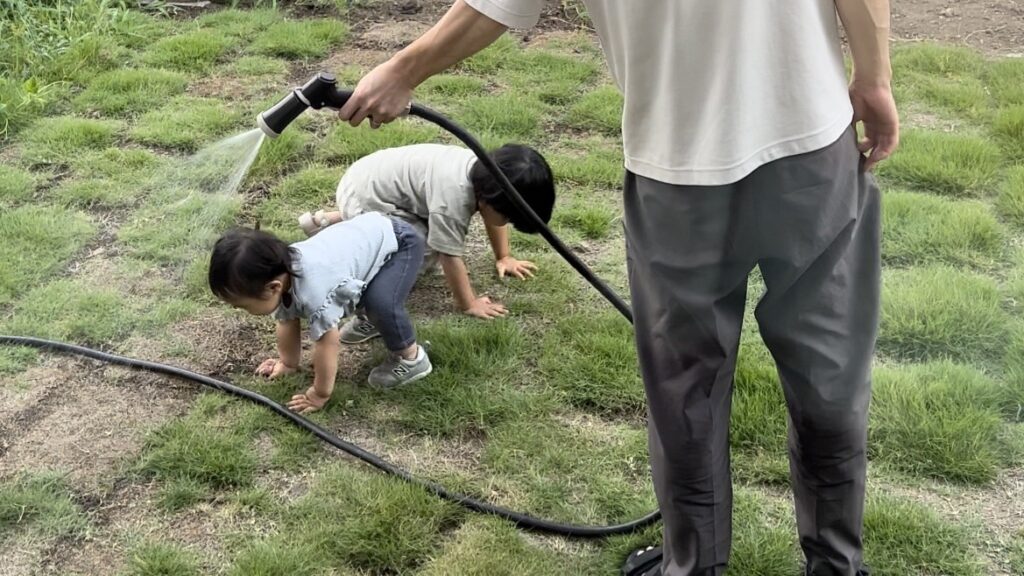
(87, 424)
(993, 26)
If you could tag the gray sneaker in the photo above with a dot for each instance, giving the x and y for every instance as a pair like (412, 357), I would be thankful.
(357, 330)
(396, 371)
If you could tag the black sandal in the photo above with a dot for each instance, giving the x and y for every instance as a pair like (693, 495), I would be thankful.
(643, 562)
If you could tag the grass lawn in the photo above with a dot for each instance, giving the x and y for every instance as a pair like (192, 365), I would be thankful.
(105, 227)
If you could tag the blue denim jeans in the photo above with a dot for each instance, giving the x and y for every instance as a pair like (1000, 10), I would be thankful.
(384, 298)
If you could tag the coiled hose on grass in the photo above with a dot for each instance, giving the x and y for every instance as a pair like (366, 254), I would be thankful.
(519, 519)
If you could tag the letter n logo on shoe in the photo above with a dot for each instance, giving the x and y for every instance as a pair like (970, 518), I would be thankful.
(400, 370)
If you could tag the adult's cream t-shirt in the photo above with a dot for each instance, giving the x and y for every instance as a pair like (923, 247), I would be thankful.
(715, 88)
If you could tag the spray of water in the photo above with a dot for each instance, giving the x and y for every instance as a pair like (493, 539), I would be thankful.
(193, 200)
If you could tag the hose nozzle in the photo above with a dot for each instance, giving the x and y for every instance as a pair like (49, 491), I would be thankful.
(321, 91)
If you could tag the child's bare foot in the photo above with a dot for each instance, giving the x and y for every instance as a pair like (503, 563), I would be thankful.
(274, 367)
(307, 402)
(313, 223)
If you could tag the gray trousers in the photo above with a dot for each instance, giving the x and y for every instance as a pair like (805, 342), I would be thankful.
(811, 223)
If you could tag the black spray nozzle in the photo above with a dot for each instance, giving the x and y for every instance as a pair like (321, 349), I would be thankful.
(320, 92)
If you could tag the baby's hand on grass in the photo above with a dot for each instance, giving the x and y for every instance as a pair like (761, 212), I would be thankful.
(308, 402)
(518, 268)
(482, 307)
(274, 367)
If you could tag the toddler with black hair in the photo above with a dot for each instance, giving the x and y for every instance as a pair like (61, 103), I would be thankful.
(438, 188)
(368, 263)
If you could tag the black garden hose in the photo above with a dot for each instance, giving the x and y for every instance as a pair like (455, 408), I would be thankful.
(519, 519)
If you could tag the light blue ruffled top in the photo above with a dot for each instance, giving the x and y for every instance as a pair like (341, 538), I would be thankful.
(335, 266)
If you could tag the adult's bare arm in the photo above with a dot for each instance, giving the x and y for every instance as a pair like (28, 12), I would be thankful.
(867, 28)
(383, 94)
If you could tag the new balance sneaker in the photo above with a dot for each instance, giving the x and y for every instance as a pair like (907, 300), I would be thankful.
(357, 330)
(397, 371)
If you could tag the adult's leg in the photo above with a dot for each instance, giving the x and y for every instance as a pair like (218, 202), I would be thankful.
(689, 252)
(820, 233)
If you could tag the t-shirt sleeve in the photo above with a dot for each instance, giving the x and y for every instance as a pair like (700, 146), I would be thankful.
(446, 235)
(518, 14)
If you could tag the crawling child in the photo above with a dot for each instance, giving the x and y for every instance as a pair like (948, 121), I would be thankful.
(438, 188)
(369, 263)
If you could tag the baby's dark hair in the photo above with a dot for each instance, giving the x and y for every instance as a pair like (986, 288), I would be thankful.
(529, 173)
(245, 260)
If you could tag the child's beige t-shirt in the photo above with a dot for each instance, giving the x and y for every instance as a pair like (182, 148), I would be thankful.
(715, 88)
(425, 182)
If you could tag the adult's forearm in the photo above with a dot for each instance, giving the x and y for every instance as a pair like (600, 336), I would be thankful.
(462, 32)
(867, 29)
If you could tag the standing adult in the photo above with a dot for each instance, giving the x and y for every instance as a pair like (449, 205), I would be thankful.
(740, 151)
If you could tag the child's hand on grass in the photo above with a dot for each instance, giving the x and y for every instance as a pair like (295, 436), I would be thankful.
(519, 268)
(483, 308)
(274, 367)
(308, 402)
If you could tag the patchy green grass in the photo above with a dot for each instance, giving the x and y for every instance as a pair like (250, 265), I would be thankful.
(505, 116)
(87, 315)
(940, 420)
(186, 123)
(599, 111)
(16, 185)
(493, 58)
(112, 178)
(1017, 553)
(353, 518)
(590, 360)
(488, 547)
(450, 86)
(1008, 128)
(936, 60)
(1011, 197)
(197, 451)
(588, 162)
(946, 164)
(159, 559)
(60, 139)
(276, 558)
(763, 538)
(131, 91)
(758, 423)
(192, 52)
(279, 155)
(1005, 79)
(535, 464)
(300, 38)
(475, 385)
(346, 144)
(181, 493)
(35, 242)
(920, 229)
(40, 502)
(591, 219)
(552, 78)
(903, 537)
(244, 24)
(176, 226)
(14, 359)
(307, 190)
(939, 312)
